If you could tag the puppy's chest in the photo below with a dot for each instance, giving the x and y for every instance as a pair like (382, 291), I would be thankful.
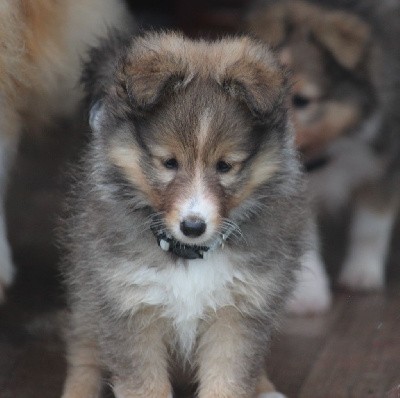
(186, 291)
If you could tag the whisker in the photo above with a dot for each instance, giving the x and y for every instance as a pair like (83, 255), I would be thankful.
(233, 228)
(152, 221)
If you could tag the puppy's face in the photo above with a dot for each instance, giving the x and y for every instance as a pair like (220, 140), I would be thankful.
(327, 51)
(197, 138)
(202, 160)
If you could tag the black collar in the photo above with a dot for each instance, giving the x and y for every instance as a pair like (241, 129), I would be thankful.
(170, 244)
(189, 252)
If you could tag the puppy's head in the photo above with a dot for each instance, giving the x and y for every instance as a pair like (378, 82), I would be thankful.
(194, 128)
(329, 52)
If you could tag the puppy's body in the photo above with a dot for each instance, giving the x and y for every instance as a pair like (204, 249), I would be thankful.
(345, 61)
(184, 132)
(43, 43)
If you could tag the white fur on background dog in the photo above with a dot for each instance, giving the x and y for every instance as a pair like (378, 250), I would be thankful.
(350, 166)
(312, 293)
(271, 395)
(364, 268)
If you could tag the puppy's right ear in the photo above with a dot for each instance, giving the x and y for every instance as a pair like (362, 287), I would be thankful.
(102, 62)
(150, 75)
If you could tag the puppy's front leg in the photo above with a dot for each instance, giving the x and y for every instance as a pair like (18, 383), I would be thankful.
(143, 373)
(84, 369)
(231, 355)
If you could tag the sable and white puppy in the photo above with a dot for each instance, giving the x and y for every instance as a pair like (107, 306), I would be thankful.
(43, 43)
(186, 223)
(345, 58)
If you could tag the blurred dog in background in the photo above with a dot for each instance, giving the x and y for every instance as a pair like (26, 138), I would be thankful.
(345, 60)
(43, 43)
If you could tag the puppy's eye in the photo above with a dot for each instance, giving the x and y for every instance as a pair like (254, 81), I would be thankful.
(171, 164)
(223, 167)
(300, 101)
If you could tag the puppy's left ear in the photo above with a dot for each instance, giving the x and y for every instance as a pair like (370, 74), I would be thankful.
(345, 36)
(259, 83)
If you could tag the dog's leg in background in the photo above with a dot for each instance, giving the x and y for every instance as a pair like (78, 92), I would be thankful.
(371, 228)
(312, 293)
(9, 134)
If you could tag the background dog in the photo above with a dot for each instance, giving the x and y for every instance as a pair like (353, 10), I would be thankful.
(187, 220)
(43, 43)
(345, 60)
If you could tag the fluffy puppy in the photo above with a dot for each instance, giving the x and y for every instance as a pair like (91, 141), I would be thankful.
(42, 46)
(186, 221)
(345, 61)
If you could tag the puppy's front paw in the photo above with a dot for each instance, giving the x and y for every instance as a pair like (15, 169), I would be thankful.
(312, 293)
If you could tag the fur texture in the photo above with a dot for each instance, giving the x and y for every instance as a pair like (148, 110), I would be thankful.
(182, 128)
(345, 61)
(43, 43)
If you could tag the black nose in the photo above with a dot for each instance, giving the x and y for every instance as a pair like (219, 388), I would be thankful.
(193, 227)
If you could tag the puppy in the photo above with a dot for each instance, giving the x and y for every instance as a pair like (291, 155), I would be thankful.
(345, 62)
(42, 46)
(186, 221)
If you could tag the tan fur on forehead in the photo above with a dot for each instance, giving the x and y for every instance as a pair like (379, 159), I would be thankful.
(242, 64)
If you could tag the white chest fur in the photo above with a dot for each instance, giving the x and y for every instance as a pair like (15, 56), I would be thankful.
(184, 291)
